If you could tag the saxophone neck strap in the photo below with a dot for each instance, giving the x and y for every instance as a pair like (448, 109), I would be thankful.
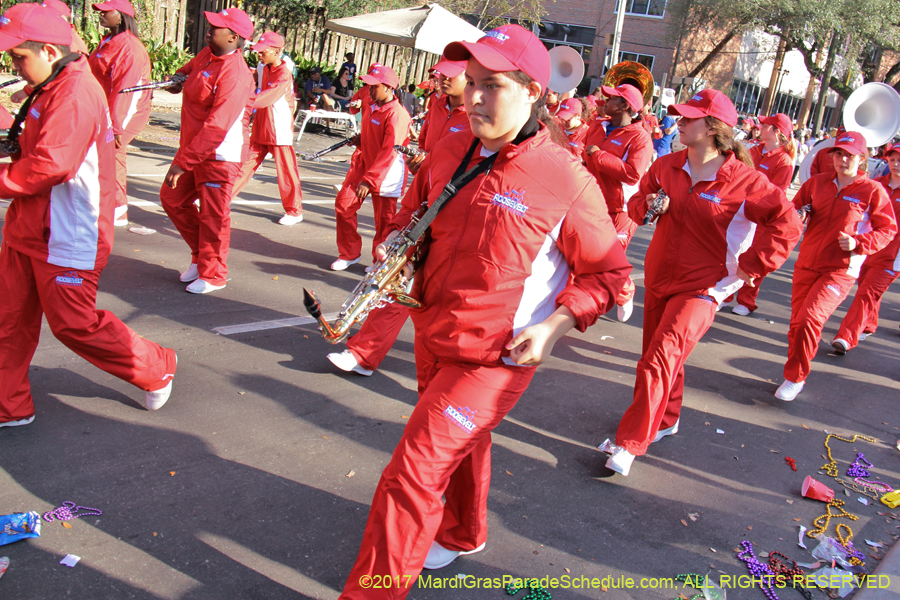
(461, 178)
(58, 67)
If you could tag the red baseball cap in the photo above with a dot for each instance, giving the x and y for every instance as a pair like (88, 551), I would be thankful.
(123, 6)
(781, 122)
(707, 103)
(628, 93)
(382, 74)
(269, 39)
(507, 48)
(231, 18)
(32, 22)
(569, 108)
(891, 148)
(449, 68)
(749, 121)
(61, 7)
(852, 142)
(374, 66)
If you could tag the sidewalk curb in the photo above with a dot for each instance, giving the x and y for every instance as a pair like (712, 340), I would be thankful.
(890, 567)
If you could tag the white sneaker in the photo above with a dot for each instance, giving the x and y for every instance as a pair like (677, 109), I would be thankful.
(740, 310)
(345, 361)
(620, 461)
(120, 216)
(341, 264)
(201, 286)
(863, 336)
(623, 313)
(841, 347)
(290, 219)
(17, 423)
(191, 274)
(337, 188)
(666, 432)
(788, 390)
(725, 305)
(155, 400)
(439, 557)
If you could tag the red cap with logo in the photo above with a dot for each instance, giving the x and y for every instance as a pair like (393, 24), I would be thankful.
(269, 39)
(707, 103)
(891, 148)
(32, 22)
(123, 6)
(852, 142)
(507, 48)
(61, 7)
(626, 92)
(781, 122)
(381, 74)
(231, 18)
(749, 121)
(569, 108)
(449, 68)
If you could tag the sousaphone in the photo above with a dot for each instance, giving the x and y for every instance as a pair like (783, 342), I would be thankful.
(632, 73)
(566, 69)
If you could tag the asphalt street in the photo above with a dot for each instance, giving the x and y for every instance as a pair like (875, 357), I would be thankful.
(254, 481)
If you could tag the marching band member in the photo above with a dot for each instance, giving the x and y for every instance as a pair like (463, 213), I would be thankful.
(519, 256)
(618, 151)
(774, 158)
(373, 341)
(823, 162)
(273, 128)
(877, 273)
(65, 12)
(572, 115)
(215, 116)
(379, 169)
(851, 217)
(58, 231)
(722, 225)
(119, 62)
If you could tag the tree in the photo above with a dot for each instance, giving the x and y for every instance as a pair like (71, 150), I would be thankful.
(493, 13)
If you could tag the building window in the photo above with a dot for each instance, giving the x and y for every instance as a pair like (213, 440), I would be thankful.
(575, 36)
(644, 59)
(748, 100)
(648, 8)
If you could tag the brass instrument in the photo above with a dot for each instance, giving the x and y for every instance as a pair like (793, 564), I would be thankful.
(385, 284)
(632, 73)
(155, 85)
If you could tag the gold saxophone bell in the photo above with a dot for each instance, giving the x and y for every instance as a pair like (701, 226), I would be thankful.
(632, 73)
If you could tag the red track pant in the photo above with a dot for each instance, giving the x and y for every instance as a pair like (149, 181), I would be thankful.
(134, 127)
(445, 450)
(30, 288)
(346, 205)
(377, 335)
(814, 296)
(285, 168)
(672, 327)
(625, 229)
(207, 231)
(863, 314)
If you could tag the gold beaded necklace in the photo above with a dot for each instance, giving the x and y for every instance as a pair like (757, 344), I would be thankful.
(831, 467)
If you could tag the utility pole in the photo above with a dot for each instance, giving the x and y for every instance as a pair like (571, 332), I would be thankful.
(617, 36)
(826, 80)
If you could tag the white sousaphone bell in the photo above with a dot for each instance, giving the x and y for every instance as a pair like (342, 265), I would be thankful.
(566, 69)
(874, 111)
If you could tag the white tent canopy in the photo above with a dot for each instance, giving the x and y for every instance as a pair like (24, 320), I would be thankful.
(429, 28)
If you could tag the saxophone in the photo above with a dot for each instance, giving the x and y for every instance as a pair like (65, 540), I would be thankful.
(384, 285)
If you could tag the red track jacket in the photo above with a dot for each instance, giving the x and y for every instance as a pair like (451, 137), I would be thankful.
(509, 248)
(381, 167)
(862, 209)
(777, 165)
(738, 218)
(624, 155)
(441, 121)
(576, 139)
(215, 114)
(274, 104)
(63, 184)
(119, 62)
(889, 256)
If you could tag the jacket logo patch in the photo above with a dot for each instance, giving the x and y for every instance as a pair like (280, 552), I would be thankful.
(457, 128)
(212, 185)
(34, 113)
(835, 289)
(376, 122)
(850, 199)
(512, 202)
(711, 197)
(206, 73)
(616, 142)
(766, 167)
(70, 279)
(461, 417)
(889, 272)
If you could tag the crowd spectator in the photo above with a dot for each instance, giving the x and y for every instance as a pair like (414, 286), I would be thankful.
(409, 99)
(668, 127)
(318, 89)
(351, 69)
(342, 90)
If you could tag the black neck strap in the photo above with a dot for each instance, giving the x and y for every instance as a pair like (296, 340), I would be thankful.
(58, 67)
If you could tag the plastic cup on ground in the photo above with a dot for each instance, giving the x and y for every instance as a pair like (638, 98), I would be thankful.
(817, 491)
